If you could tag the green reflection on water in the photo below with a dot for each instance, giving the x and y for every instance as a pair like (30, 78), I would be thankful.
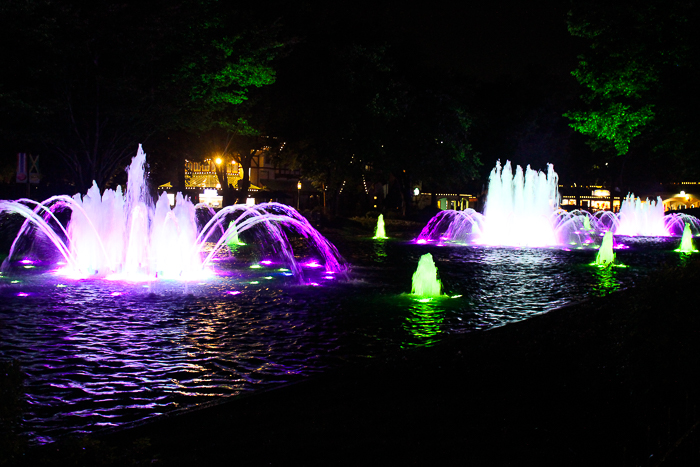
(606, 281)
(380, 252)
(424, 321)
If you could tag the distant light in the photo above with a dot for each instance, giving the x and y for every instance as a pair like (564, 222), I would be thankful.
(456, 296)
(218, 161)
(283, 269)
(314, 284)
(312, 264)
(299, 185)
(255, 266)
(267, 261)
(233, 292)
(254, 282)
(682, 193)
(27, 261)
(22, 294)
(14, 282)
(29, 266)
(115, 294)
(250, 202)
(328, 277)
(424, 300)
(269, 277)
(60, 285)
(416, 191)
(422, 241)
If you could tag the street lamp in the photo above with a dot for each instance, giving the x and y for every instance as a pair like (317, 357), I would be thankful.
(298, 193)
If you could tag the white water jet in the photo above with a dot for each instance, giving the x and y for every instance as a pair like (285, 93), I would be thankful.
(118, 235)
(642, 218)
(520, 207)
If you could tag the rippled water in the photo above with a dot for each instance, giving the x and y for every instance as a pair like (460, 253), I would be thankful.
(100, 354)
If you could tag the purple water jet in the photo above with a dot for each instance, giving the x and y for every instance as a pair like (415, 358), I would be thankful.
(125, 235)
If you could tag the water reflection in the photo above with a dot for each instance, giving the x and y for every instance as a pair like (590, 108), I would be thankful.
(379, 247)
(606, 281)
(424, 320)
(108, 353)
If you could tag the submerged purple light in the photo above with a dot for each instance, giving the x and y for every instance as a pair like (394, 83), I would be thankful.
(22, 294)
(233, 292)
(266, 262)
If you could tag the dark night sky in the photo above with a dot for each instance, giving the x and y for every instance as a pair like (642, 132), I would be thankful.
(482, 39)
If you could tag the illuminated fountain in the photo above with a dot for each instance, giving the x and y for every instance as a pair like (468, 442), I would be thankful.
(606, 256)
(380, 233)
(638, 218)
(126, 236)
(521, 210)
(425, 281)
(686, 245)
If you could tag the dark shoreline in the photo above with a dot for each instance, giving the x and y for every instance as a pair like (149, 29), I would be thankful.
(610, 381)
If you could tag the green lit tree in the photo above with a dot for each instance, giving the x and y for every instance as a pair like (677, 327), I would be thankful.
(638, 74)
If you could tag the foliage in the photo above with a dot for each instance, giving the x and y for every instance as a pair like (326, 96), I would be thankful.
(353, 113)
(105, 76)
(639, 67)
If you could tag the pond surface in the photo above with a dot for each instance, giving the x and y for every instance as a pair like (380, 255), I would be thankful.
(101, 354)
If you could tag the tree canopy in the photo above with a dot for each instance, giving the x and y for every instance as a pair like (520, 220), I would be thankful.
(90, 80)
(639, 73)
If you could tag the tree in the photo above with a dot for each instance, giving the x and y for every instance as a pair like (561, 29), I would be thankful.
(112, 74)
(639, 74)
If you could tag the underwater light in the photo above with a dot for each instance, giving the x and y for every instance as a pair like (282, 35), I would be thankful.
(22, 294)
(115, 294)
(267, 261)
(255, 266)
(233, 292)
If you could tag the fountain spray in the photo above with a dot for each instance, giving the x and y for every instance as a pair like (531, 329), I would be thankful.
(380, 234)
(425, 281)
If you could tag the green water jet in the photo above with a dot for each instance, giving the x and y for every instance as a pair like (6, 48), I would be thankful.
(606, 256)
(425, 281)
(233, 240)
(687, 241)
(380, 234)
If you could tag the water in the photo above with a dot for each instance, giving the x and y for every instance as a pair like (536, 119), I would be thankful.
(128, 237)
(379, 233)
(522, 209)
(606, 256)
(103, 353)
(687, 241)
(425, 280)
